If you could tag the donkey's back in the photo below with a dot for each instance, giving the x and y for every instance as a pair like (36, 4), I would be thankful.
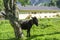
(25, 24)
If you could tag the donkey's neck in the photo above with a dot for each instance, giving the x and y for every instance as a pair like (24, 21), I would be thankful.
(31, 22)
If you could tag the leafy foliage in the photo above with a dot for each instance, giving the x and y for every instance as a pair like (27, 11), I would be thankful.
(55, 3)
(58, 3)
(1, 5)
(24, 2)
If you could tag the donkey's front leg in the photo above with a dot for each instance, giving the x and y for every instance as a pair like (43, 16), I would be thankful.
(28, 33)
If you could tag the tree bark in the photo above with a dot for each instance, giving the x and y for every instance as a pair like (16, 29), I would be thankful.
(10, 10)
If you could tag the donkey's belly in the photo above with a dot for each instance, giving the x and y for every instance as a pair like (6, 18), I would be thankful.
(25, 27)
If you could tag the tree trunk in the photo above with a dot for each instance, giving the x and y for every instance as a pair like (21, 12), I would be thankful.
(10, 10)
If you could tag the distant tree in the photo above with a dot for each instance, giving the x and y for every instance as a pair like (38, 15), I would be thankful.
(55, 3)
(1, 5)
(24, 2)
(58, 3)
(46, 4)
(52, 3)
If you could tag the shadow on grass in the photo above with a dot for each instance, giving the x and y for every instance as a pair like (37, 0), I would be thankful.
(34, 36)
(51, 39)
(10, 39)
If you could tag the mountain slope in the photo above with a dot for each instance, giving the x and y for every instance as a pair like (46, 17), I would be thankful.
(36, 2)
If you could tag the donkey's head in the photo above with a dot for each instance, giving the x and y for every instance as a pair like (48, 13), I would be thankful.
(35, 21)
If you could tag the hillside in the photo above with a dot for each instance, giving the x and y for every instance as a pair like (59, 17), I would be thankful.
(36, 2)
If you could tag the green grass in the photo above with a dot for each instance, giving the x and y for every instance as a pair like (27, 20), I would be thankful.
(48, 29)
(54, 11)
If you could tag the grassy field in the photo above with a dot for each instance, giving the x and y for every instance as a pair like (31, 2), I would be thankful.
(48, 29)
(54, 11)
